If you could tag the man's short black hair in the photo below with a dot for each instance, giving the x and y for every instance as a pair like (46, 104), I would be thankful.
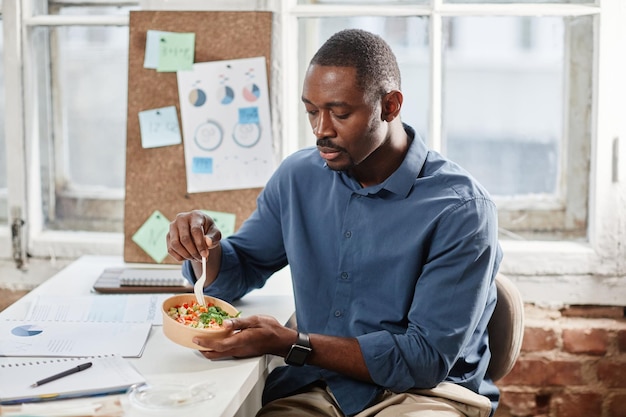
(376, 65)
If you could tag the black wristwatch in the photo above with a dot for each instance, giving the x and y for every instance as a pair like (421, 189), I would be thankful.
(299, 351)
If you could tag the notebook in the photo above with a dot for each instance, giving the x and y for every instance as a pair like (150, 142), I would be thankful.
(109, 374)
(142, 280)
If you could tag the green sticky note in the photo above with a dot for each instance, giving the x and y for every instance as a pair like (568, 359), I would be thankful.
(151, 236)
(176, 51)
(224, 221)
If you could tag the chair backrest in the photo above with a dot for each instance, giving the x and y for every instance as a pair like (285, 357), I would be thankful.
(506, 328)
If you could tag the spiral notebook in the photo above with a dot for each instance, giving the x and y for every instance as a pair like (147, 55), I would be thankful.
(109, 374)
(142, 280)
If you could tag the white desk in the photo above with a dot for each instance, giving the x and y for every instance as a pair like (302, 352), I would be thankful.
(238, 382)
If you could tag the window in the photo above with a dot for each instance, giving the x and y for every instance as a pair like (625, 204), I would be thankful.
(68, 133)
(524, 94)
(503, 92)
(82, 163)
(507, 118)
(89, 95)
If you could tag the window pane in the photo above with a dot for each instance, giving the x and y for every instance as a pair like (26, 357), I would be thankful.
(3, 149)
(408, 38)
(503, 98)
(92, 76)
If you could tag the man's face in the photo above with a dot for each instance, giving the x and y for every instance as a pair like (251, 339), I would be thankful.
(347, 125)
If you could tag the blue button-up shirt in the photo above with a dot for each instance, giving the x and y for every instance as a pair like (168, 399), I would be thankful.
(407, 267)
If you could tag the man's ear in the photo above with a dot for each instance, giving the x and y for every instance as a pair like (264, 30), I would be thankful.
(392, 103)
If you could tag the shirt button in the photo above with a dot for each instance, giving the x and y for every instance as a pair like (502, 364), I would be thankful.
(348, 234)
(337, 313)
(344, 275)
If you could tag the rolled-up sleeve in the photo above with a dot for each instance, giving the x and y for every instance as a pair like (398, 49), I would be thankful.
(446, 321)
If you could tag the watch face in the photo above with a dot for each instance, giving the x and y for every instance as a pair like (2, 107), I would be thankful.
(297, 355)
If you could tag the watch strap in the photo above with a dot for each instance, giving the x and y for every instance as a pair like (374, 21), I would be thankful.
(303, 340)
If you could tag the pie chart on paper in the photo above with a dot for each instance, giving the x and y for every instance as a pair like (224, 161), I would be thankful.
(26, 330)
(251, 92)
(197, 97)
(225, 95)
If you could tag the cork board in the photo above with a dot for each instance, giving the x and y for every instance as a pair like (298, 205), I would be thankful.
(155, 177)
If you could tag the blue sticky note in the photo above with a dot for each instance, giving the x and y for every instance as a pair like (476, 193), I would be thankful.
(202, 165)
(151, 58)
(159, 127)
(248, 115)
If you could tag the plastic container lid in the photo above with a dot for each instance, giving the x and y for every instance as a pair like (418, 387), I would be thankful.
(169, 396)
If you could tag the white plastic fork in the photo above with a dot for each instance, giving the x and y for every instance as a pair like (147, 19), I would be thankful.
(198, 287)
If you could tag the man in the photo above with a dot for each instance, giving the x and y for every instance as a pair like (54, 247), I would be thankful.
(392, 249)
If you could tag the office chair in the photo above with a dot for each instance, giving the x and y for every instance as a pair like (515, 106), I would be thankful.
(506, 329)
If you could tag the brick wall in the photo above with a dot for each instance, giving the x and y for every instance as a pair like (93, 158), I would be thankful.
(572, 364)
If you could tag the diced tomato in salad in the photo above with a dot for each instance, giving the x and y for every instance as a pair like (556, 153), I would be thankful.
(193, 314)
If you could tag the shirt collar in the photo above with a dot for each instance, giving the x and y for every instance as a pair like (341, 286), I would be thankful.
(402, 180)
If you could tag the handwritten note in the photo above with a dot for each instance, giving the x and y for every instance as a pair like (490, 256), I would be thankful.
(249, 115)
(159, 127)
(151, 236)
(176, 51)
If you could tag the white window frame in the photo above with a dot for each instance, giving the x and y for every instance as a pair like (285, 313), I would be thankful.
(547, 272)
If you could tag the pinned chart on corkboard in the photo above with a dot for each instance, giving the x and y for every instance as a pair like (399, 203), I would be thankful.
(173, 162)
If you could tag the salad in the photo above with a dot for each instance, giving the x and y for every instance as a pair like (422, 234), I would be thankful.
(193, 314)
